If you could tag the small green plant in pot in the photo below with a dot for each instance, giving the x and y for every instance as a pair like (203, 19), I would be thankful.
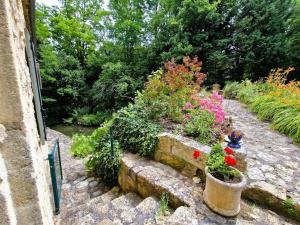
(224, 183)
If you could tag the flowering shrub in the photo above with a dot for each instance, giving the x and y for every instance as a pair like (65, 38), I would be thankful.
(220, 162)
(203, 118)
(167, 91)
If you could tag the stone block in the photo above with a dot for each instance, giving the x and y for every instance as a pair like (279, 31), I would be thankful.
(176, 151)
(154, 180)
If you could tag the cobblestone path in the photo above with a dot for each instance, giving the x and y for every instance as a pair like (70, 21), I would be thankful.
(273, 161)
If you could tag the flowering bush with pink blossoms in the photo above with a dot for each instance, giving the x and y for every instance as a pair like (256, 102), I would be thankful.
(203, 118)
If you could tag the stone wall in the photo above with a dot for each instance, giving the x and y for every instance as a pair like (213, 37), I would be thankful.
(177, 151)
(27, 196)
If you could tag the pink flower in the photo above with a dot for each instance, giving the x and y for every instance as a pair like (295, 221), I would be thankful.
(187, 116)
(188, 105)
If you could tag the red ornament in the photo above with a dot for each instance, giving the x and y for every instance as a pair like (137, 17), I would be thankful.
(229, 160)
(196, 154)
(229, 151)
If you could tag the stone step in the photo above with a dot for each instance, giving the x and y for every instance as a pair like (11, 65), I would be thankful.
(148, 178)
(143, 213)
(120, 210)
(147, 210)
(106, 197)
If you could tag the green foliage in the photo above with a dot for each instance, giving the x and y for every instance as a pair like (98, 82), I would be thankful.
(231, 89)
(216, 163)
(167, 92)
(247, 92)
(100, 57)
(135, 133)
(289, 206)
(163, 209)
(114, 88)
(284, 118)
(105, 163)
(275, 100)
(81, 146)
(102, 161)
(200, 126)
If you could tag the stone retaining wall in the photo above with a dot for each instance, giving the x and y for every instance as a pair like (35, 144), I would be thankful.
(177, 151)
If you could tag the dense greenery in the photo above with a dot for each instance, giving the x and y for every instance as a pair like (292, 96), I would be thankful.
(173, 96)
(135, 133)
(94, 59)
(102, 159)
(275, 100)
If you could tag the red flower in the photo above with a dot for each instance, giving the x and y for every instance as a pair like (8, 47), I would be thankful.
(229, 160)
(196, 154)
(229, 151)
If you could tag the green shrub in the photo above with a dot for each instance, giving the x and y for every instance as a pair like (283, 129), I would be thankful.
(200, 126)
(266, 106)
(163, 209)
(81, 146)
(247, 92)
(288, 122)
(105, 163)
(285, 118)
(217, 163)
(231, 90)
(92, 119)
(102, 161)
(135, 133)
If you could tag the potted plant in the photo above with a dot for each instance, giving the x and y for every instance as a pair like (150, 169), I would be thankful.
(224, 183)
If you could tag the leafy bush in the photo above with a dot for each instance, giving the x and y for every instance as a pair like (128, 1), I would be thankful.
(93, 119)
(275, 100)
(105, 163)
(231, 89)
(81, 146)
(200, 126)
(134, 132)
(247, 91)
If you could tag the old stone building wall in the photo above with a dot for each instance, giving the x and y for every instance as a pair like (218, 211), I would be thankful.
(24, 191)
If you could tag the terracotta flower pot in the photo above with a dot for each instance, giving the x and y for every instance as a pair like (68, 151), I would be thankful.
(223, 198)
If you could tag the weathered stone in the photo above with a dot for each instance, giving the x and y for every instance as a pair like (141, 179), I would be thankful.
(108, 209)
(147, 206)
(177, 151)
(271, 156)
(255, 174)
(171, 160)
(93, 184)
(3, 133)
(263, 191)
(155, 181)
(183, 215)
(266, 168)
(106, 222)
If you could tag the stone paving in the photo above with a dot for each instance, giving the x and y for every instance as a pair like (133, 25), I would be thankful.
(148, 177)
(85, 200)
(273, 160)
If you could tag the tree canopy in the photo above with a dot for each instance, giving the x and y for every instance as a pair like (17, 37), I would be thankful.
(94, 58)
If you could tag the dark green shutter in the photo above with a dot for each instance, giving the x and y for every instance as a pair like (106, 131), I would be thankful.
(36, 86)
